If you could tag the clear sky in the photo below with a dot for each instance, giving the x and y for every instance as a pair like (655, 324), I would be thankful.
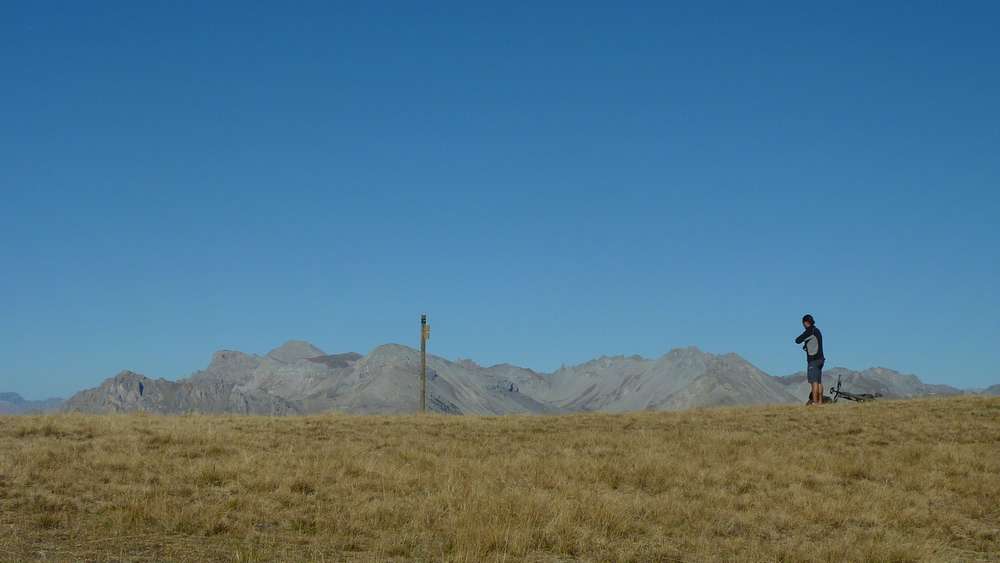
(550, 182)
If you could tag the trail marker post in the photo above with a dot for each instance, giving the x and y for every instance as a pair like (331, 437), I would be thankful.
(425, 334)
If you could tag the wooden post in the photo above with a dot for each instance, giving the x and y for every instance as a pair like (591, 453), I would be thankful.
(425, 333)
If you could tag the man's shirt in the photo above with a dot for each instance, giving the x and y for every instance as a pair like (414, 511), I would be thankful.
(812, 342)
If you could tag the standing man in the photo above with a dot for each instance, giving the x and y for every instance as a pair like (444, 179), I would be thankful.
(812, 342)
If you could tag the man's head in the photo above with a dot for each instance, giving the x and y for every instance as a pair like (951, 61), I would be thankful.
(807, 321)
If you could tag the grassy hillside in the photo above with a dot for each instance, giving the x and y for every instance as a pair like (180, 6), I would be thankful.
(890, 481)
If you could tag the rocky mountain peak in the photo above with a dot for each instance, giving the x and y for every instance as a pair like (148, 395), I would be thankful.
(224, 358)
(687, 358)
(129, 375)
(393, 353)
(688, 352)
(295, 350)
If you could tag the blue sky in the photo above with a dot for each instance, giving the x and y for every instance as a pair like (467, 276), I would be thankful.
(549, 182)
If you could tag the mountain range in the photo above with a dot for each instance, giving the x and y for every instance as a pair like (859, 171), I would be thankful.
(299, 378)
(12, 403)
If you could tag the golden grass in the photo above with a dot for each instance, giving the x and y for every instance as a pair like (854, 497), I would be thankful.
(891, 481)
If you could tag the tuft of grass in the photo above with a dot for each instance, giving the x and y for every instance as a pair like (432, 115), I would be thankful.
(890, 481)
(47, 521)
(302, 487)
(211, 476)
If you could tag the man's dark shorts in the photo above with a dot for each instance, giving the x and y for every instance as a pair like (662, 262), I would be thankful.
(814, 373)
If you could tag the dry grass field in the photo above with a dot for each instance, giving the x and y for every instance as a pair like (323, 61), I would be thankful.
(891, 481)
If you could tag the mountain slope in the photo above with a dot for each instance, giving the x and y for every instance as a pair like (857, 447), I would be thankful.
(728, 380)
(300, 378)
(886, 382)
(293, 351)
(12, 403)
(133, 392)
(387, 381)
(683, 378)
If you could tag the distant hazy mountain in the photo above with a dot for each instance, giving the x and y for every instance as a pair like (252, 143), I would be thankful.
(132, 392)
(890, 384)
(992, 390)
(300, 378)
(12, 403)
(684, 378)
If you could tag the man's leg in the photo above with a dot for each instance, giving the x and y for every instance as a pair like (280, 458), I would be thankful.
(819, 382)
(813, 377)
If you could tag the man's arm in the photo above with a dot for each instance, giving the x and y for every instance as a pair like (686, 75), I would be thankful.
(802, 337)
